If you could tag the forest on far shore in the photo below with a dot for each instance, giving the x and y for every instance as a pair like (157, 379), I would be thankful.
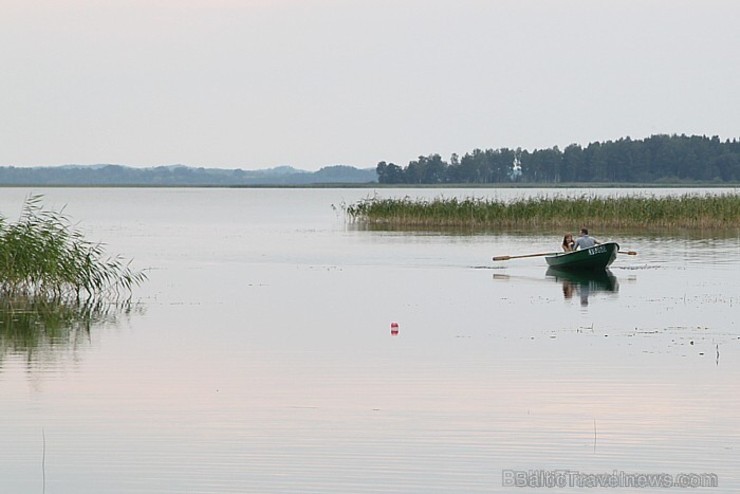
(656, 159)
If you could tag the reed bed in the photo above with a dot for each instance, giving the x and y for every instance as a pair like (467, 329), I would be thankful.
(43, 256)
(685, 212)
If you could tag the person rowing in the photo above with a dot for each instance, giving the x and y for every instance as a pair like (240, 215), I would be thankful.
(584, 241)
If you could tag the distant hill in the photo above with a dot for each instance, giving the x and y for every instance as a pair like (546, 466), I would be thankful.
(174, 175)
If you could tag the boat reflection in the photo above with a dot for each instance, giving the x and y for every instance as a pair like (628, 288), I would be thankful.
(584, 283)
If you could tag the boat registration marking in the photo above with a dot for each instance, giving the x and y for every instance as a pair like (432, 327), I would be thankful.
(599, 249)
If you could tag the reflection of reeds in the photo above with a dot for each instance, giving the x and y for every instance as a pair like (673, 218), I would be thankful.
(687, 212)
(42, 255)
(28, 324)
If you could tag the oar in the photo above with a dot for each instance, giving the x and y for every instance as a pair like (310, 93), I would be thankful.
(506, 258)
(628, 252)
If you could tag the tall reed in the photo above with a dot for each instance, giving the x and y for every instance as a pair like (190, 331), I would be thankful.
(42, 255)
(687, 211)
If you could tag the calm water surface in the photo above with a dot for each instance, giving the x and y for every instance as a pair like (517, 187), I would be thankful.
(259, 357)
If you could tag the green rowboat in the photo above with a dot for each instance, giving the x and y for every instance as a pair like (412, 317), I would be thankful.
(596, 258)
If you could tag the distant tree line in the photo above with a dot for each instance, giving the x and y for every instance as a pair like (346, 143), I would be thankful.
(178, 175)
(659, 158)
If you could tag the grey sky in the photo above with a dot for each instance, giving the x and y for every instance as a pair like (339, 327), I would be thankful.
(309, 83)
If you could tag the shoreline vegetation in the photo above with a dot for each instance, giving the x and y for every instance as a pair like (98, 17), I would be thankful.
(656, 159)
(55, 285)
(376, 185)
(692, 212)
(44, 258)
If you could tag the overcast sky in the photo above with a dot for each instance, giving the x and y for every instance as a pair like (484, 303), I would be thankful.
(309, 83)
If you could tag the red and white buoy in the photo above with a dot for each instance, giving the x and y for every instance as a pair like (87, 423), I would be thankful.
(394, 329)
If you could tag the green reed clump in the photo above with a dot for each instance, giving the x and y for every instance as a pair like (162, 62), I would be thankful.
(42, 255)
(687, 211)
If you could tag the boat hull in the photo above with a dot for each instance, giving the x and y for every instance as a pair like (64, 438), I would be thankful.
(596, 258)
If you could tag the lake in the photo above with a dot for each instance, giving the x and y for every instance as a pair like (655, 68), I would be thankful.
(260, 356)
